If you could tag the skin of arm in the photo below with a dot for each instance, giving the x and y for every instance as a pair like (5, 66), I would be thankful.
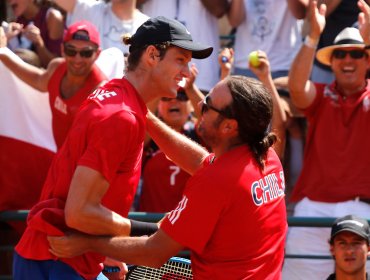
(301, 89)
(151, 251)
(236, 14)
(181, 150)
(67, 5)
(216, 7)
(192, 91)
(278, 123)
(226, 67)
(364, 21)
(84, 211)
(55, 26)
(33, 76)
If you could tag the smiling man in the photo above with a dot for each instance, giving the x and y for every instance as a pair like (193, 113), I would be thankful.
(349, 246)
(92, 180)
(334, 180)
(68, 80)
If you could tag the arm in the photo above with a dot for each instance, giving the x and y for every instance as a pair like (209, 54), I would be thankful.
(84, 210)
(151, 251)
(237, 13)
(225, 66)
(55, 26)
(302, 90)
(298, 8)
(33, 76)
(192, 91)
(364, 21)
(278, 118)
(181, 150)
(67, 5)
(216, 7)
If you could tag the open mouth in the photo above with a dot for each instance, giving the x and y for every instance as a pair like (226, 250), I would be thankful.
(174, 110)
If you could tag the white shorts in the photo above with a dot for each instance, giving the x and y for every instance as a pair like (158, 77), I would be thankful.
(314, 241)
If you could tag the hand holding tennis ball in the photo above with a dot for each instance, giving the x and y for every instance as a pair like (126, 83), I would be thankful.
(254, 59)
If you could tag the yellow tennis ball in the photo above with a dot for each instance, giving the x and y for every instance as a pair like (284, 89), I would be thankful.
(253, 59)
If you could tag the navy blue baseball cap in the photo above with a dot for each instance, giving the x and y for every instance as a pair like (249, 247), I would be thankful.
(160, 29)
(352, 224)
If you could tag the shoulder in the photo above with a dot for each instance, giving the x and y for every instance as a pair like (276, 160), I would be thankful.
(54, 64)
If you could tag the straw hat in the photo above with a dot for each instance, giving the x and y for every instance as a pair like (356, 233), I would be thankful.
(349, 37)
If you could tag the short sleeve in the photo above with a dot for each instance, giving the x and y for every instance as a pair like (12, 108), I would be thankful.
(109, 141)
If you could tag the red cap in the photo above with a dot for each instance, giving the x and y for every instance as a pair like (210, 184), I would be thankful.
(84, 25)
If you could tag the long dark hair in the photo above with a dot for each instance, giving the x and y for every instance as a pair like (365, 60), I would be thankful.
(252, 108)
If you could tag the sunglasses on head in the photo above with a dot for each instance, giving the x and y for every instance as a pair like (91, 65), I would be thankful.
(355, 54)
(181, 96)
(72, 52)
(206, 106)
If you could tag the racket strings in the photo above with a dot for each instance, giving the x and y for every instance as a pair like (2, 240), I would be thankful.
(169, 271)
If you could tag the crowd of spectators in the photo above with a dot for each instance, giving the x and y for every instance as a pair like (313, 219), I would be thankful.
(312, 60)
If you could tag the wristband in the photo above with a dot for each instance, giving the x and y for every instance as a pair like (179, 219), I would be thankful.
(142, 228)
(311, 43)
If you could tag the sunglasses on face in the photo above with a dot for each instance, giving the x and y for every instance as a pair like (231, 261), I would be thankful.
(181, 96)
(206, 106)
(72, 52)
(355, 54)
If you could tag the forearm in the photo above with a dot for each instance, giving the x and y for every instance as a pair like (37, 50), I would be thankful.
(278, 121)
(216, 7)
(181, 150)
(44, 54)
(298, 8)
(67, 5)
(29, 74)
(151, 251)
(195, 96)
(299, 74)
(99, 220)
(237, 13)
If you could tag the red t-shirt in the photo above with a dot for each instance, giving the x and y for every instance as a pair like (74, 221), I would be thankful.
(336, 158)
(233, 218)
(107, 135)
(64, 110)
(163, 184)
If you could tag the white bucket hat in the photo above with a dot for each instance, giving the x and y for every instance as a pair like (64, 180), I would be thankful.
(349, 37)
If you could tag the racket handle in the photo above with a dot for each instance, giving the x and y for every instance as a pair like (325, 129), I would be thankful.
(111, 269)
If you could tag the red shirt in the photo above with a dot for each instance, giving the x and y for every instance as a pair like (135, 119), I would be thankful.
(163, 184)
(232, 217)
(336, 158)
(64, 110)
(107, 135)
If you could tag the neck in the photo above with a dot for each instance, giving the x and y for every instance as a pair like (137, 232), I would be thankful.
(348, 91)
(226, 146)
(359, 275)
(142, 83)
(124, 10)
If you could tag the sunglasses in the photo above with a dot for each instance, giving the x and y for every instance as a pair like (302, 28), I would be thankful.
(206, 107)
(181, 96)
(355, 54)
(72, 52)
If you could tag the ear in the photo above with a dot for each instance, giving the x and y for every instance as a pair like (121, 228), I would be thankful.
(98, 52)
(150, 54)
(230, 127)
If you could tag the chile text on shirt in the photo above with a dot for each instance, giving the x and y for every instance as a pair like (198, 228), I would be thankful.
(268, 188)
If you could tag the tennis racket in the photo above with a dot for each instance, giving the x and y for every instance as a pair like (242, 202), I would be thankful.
(174, 269)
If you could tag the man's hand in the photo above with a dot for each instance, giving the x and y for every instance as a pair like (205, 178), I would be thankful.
(189, 82)
(114, 263)
(262, 71)
(364, 21)
(70, 245)
(316, 19)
